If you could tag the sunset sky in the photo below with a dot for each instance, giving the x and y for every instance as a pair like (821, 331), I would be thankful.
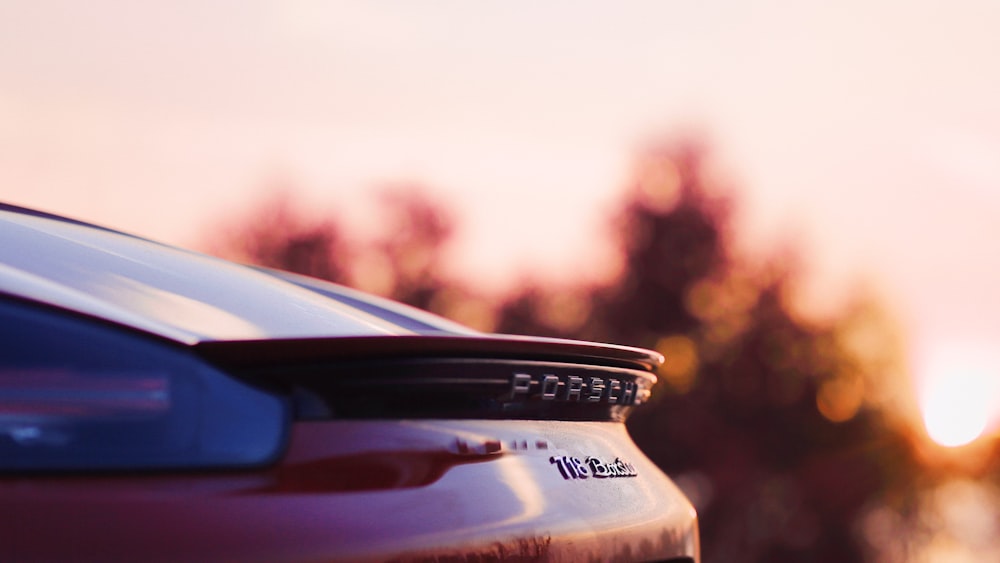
(869, 132)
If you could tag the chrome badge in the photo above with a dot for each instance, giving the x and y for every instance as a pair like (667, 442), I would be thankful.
(573, 468)
(573, 388)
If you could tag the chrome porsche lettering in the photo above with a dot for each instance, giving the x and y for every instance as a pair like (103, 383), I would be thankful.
(574, 386)
(596, 390)
(628, 395)
(614, 390)
(574, 389)
(520, 385)
(550, 384)
(572, 468)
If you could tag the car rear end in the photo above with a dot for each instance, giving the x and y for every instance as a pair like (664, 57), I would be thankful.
(399, 448)
(378, 434)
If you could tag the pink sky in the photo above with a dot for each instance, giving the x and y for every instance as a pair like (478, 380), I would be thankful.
(868, 131)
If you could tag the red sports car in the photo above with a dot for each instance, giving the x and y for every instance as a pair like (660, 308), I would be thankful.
(161, 405)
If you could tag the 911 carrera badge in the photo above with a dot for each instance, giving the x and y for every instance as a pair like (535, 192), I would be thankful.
(573, 468)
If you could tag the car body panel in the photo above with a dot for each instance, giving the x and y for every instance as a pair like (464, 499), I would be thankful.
(174, 293)
(414, 490)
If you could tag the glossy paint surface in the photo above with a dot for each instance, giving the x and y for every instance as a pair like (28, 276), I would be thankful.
(402, 490)
(174, 293)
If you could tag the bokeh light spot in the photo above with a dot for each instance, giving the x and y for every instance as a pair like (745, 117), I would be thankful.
(839, 399)
(680, 361)
(565, 311)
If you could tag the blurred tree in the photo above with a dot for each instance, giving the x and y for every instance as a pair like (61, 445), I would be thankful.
(672, 232)
(417, 230)
(277, 235)
(403, 261)
(762, 415)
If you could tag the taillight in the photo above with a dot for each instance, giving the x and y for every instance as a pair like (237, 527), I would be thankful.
(82, 395)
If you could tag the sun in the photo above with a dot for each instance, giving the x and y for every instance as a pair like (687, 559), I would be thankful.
(958, 392)
(954, 410)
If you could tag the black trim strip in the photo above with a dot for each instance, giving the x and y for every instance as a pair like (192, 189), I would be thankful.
(456, 388)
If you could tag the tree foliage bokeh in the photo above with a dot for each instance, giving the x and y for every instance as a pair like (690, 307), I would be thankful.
(773, 422)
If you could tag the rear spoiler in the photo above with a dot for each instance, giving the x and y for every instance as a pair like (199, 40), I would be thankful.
(284, 352)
